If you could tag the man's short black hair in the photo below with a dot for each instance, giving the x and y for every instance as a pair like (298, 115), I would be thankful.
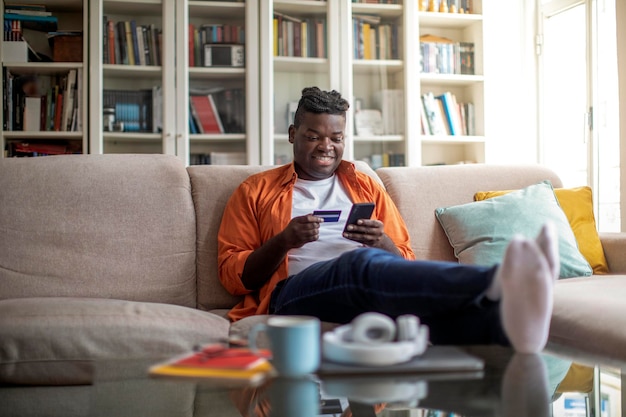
(314, 100)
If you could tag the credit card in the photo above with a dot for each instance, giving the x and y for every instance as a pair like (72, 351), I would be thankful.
(329, 216)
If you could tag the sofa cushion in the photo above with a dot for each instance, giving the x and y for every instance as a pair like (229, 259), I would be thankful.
(103, 226)
(417, 191)
(480, 231)
(588, 315)
(577, 204)
(60, 328)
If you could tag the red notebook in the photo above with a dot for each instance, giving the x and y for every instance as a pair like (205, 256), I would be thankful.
(218, 363)
(216, 356)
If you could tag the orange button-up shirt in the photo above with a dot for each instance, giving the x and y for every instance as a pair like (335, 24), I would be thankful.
(260, 208)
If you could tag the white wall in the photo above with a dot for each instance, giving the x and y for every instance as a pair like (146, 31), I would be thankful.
(510, 71)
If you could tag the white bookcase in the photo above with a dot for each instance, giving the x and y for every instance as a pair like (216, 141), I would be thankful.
(364, 79)
(284, 74)
(271, 78)
(449, 149)
(71, 16)
(176, 78)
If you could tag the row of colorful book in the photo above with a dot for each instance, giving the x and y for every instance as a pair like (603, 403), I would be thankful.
(136, 110)
(129, 43)
(446, 6)
(444, 56)
(443, 115)
(218, 158)
(373, 39)
(210, 34)
(376, 1)
(20, 149)
(43, 102)
(386, 159)
(295, 37)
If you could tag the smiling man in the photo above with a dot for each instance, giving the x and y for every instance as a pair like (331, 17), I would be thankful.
(284, 259)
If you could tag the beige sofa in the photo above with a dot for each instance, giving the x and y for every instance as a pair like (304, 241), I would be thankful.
(114, 256)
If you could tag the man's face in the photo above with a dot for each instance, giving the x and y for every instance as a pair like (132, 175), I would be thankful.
(318, 145)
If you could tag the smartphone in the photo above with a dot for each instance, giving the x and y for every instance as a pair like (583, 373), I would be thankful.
(359, 211)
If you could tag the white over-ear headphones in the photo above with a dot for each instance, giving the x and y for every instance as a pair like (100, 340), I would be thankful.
(375, 339)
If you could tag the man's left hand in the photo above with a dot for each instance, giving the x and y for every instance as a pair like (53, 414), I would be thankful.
(366, 231)
(371, 233)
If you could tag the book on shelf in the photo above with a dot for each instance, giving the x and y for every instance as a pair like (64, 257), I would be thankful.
(391, 104)
(35, 22)
(451, 113)
(299, 37)
(374, 39)
(444, 115)
(231, 107)
(129, 43)
(134, 109)
(368, 122)
(205, 114)
(32, 114)
(69, 95)
(227, 158)
(387, 159)
(434, 116)
(16, 149)
(215, 362)
(444, 56)
(448, 6)
(59, 97)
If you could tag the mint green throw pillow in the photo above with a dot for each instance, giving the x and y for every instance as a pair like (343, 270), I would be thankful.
(480, 231)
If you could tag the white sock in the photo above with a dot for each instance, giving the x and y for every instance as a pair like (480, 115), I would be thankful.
(548, 242)
(527, 288)
(494, 292)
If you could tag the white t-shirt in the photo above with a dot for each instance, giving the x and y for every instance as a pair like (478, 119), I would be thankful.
(327, 194)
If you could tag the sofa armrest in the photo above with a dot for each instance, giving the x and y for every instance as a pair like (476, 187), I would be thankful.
(614, 245)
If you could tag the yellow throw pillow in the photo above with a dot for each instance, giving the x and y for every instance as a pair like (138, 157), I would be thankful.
(577, 205)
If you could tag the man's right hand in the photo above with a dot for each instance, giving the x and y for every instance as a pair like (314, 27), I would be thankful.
(301, 230)
(262, 263)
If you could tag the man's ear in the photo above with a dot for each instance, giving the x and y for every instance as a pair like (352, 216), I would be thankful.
(292, 133)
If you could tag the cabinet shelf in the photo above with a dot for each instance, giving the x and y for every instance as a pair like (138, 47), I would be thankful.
(131, 137)
(299, 64)
(448, 20)
(222, 9)
(205, 73)
(41, 135)
(227, 137)
(131, 7)
(385, 11)
(43, 68)
(125, 71)
(297, 7)
(379, 138)
(372, 66)
(451, 140)
(450, 79)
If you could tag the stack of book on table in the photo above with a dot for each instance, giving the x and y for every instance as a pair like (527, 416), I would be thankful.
(219, 363)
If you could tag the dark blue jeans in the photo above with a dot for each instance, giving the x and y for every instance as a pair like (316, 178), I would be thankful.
(446, 296)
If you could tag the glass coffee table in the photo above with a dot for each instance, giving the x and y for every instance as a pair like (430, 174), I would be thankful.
(550, 384)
